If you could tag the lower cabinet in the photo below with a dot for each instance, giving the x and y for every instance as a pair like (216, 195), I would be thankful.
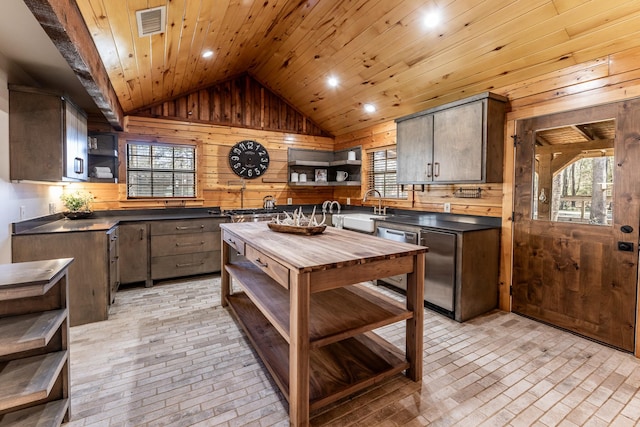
(34, 343)
(114, 264)
(91, 273)
(133, 246)
(164, 249)
(184, 247)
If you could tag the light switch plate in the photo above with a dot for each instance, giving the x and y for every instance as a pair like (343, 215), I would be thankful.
(23, 210)
(289, 201)
(348, 200)
(447, 207)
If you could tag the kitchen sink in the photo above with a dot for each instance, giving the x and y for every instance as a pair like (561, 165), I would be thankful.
(357, 221)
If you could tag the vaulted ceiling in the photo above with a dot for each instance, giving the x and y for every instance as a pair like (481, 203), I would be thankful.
(381, 52)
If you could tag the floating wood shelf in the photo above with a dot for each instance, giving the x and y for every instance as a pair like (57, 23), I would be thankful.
(326, 184)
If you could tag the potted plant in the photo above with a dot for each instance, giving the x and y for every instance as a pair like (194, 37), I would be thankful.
(77, 204)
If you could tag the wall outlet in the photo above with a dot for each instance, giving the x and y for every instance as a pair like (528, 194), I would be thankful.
(289, 201)
(23, 211)
(52, 208)
(348, 200)
(447, 207)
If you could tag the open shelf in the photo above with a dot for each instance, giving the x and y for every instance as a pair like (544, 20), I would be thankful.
(325, 184)
(335, 314)
(30, 379)
(337, 369)
(29, 331)
(48, 414)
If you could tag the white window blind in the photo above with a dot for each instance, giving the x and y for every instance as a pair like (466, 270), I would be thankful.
(382, 173)
(161, 170)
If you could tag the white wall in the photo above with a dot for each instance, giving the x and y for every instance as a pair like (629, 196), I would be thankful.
(34, 197)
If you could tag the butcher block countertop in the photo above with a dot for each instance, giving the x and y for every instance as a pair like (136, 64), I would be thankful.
(303, 305)
(334, 248)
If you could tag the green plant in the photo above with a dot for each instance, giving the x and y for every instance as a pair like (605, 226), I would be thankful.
(77, 201)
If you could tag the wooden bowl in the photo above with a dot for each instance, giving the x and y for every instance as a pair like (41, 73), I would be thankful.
(294, 229)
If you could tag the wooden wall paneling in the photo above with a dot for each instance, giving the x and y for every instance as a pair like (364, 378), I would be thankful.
(506, 232)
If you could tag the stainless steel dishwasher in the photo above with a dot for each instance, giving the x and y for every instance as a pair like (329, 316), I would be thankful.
(440, 270)
(399, 281)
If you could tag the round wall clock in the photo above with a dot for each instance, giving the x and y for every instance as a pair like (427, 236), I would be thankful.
(248, 159)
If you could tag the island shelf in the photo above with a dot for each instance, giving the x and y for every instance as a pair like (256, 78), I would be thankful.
(300, 301)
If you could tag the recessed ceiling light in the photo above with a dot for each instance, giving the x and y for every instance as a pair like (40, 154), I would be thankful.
(207, 54)
(332, 81)
(369, 108)
(432, 19)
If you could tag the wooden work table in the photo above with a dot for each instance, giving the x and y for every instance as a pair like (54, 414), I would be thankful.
(300, 303)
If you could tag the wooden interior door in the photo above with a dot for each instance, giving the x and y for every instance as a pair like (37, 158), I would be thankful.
(575, 276)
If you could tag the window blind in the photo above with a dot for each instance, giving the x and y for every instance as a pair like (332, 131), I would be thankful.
(161, 170)
(382, 173)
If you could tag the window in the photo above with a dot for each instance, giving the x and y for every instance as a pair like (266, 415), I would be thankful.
(161, 170)
(382, 173)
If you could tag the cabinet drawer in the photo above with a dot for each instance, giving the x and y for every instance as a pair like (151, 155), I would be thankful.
(185, 265)
(268, 265)
(176, 244)
(234, 242)
(185, 226)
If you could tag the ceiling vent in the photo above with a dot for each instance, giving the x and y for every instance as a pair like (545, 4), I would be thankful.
(151, 21)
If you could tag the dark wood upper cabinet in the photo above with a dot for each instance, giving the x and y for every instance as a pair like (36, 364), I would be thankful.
(460, 142)
(47, 136)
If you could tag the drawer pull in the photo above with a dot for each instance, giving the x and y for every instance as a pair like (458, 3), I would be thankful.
(189, 264)
(178, 244)
(261, 264)
(233, 242)
(182, 228)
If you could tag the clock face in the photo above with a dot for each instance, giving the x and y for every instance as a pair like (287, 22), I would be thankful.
(248, 159)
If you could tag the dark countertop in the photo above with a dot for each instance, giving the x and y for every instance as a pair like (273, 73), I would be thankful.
(448, 222)
(106, 220)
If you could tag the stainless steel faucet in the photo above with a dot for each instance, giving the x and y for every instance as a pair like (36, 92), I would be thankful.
(325, 204)
(331, 206)
(373, 190)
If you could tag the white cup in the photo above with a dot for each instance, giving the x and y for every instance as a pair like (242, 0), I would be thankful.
(351, 155)
(341, 175)
(294, 176)
(303, 177)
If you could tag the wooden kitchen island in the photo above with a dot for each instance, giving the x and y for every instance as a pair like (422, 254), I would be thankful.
(301, 304)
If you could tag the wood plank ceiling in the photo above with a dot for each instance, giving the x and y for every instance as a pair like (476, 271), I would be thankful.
(380, 51)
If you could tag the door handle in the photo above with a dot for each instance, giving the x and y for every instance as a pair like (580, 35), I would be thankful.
(436, 168)
(78, 165)
(429, 170)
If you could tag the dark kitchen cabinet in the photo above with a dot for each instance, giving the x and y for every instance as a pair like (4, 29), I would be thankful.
(114, 265)
(184, 247)
(460, 142)
(47, 136)
(90, 280)
(133, 249)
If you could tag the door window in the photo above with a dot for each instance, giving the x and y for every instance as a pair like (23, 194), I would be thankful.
(573, 173)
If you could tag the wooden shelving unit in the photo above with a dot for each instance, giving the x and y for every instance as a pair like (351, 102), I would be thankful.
(313, 326)
(34, 354)
(307, 161)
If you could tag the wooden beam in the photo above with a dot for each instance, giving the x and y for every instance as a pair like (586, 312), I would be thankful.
(598, 144)
(63, 23)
